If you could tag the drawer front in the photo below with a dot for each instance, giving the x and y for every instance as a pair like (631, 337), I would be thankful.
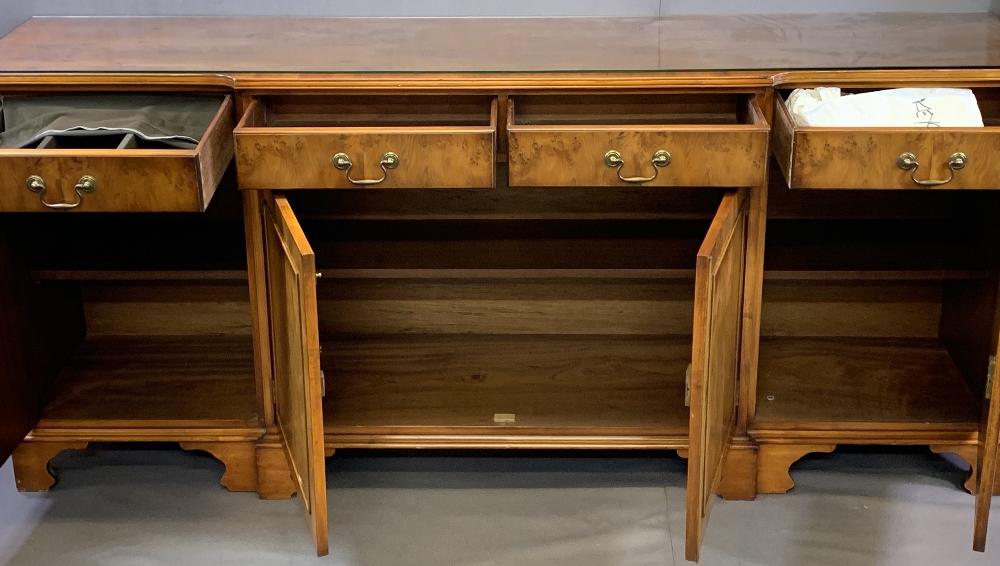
(118, 180)
(699, 156)
(152, 183)
(862, 158)
(283, 158)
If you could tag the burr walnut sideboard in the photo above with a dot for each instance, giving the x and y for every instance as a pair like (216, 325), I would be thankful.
(489, 233)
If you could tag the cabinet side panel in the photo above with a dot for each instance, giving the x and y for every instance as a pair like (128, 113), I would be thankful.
(40, 326)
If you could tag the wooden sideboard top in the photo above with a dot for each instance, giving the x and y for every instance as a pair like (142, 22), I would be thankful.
(259, 45)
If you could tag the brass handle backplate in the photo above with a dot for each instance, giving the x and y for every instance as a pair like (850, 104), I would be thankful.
(614, 159)
(908, 162)
(343, 162)
(86, 185)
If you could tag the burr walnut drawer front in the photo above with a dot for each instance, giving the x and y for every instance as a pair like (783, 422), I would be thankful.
(53, 159)
(342, 142)
(919, 157)
(688, 140)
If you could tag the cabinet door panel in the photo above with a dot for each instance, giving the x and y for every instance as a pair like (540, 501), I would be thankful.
(291, 273)
(718, 304)
(19, 398)
(989, 438)
(40, 328)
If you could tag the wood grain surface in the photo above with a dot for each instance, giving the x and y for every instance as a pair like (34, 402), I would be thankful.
(272, 155)
(294, 45)
(291, 269)
(551, 384)
(718, 317)
(883, 380)
(563, 143)
(118, 380)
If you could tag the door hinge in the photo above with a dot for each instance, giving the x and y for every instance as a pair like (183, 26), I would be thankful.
(322, 383)
(687, 387)
(992, 369)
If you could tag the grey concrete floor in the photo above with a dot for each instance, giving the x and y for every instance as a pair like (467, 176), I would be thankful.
(155, 506)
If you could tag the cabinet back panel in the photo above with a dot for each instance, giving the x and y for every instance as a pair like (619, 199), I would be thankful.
(503, 202)
(851, 308)
(165, 309)
(502, 306)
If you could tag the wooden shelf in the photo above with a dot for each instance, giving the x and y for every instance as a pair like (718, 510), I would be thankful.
(516, 274)
(889, 275)
(552, 385)
(139, 275)
(143, 381)
(861, 380)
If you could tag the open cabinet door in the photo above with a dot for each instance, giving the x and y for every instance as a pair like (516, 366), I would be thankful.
(40, 328)
(291, 278)
(989, 438)
(718, 314)
(19, 392)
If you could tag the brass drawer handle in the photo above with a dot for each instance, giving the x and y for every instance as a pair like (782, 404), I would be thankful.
(614, 159)
(908, 162)
(343, 162)
(85, 185)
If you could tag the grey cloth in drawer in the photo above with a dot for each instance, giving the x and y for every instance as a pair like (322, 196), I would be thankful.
(178, 121)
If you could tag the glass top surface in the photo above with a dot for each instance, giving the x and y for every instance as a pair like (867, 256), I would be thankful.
(502, 45)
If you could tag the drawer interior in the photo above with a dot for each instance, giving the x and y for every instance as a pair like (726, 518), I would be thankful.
(142, 320)
(987, 98)
(353, 111)
(572, 326)
(634, 109)
(107, 121)
(878, 320)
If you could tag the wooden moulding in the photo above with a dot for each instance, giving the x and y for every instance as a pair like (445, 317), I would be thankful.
(774, 460)
(32, 472)
(739, 473)
(274, 477)
(31, 463)
(238, 457)
(967, 452)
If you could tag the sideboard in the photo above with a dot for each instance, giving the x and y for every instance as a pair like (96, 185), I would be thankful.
(503, 234)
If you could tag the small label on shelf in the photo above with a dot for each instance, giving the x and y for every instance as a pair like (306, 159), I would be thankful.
(503, 418)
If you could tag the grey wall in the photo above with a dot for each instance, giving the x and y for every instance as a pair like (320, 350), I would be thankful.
(13, 12)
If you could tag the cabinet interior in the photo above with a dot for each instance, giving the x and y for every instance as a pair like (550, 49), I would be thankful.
(878, 320)
(988, 100)
(300, 111)
(633, 109)
(144, 317)
(471, 322)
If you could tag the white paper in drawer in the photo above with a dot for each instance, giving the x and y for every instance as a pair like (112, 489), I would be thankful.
(900, 108)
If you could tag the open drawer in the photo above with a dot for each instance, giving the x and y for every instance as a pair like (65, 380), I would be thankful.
(505, 334)
(119, 172)
(890, 158)
(691, 140)
(340, 142)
